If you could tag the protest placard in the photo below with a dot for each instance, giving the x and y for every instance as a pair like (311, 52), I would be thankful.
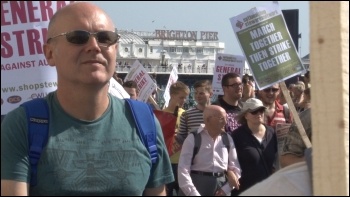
(282, 130)
(25, 73)
(172, 79)
(117, 90)
(267, 45)
(270, 51)
(226, 63)
(145, 84)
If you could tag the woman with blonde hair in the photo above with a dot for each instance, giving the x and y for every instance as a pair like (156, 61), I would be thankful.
(256, 145)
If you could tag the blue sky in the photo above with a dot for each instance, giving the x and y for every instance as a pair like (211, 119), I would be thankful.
(196, 16)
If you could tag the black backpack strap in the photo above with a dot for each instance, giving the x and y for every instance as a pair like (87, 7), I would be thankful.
(225, 140)
(198, 141)
(197, 144)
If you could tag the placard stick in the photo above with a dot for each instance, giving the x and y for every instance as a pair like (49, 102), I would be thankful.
(295, 114)
(151, 100)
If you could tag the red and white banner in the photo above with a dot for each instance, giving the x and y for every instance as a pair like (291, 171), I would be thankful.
(25, 73)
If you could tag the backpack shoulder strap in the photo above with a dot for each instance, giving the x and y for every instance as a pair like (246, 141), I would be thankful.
(197, 143)
(146, 128)
(37, 112)
(225, 140)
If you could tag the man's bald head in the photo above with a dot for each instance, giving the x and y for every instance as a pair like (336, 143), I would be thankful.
(73, 11)
(214, 119)
(213, 110)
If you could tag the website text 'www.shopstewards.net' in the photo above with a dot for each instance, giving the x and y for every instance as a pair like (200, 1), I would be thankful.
(25, 87)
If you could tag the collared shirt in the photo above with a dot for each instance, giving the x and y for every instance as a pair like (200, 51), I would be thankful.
(212, 156)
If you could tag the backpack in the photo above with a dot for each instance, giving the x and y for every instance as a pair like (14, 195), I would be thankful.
(38, 119)
(198, 141)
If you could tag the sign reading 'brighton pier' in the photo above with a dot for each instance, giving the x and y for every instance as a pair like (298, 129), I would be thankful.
(186, 35)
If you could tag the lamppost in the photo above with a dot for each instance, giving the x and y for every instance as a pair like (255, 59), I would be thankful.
(162, 60)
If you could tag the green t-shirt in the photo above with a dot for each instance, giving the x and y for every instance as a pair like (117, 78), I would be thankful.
(100, 157)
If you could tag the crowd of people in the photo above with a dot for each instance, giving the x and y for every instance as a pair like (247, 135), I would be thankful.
(251, 119)
(228, 147)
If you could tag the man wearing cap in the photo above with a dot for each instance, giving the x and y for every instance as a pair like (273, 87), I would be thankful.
(256, 145)
(294, 179)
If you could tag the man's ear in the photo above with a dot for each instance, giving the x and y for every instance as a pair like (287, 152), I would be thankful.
(48, 52)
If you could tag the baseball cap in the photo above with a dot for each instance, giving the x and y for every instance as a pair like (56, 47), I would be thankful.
(252, 104)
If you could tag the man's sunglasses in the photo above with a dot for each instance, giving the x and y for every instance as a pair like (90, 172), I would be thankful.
(80, 37)
(235, 85)
(274, 90)
(260, 111)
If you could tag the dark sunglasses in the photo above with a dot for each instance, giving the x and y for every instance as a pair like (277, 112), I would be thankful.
(274, 90)
(80, 37)
(234, 85)
(260, 111)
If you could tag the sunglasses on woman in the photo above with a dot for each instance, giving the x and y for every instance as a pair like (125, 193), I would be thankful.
(260, 111)
(80, 37)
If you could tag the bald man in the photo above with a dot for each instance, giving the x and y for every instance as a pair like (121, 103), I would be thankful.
(206, 175)
(93, 147)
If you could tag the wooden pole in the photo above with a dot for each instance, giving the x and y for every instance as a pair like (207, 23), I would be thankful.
(154, 103)
(295, 114)
(329, 71)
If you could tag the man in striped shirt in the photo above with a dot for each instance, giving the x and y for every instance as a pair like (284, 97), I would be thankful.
(192, 118)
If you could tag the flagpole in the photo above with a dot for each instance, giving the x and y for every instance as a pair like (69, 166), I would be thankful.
(299, 36)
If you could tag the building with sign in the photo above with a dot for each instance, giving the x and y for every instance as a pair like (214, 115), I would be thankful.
(192, 52)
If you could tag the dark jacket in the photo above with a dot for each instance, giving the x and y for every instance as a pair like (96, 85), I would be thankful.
(256, 159)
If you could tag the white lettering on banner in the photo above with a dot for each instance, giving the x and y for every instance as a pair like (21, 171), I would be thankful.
(275, 61)
(262, 31)
(260, 55)
(273, 38)
(285, 45)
